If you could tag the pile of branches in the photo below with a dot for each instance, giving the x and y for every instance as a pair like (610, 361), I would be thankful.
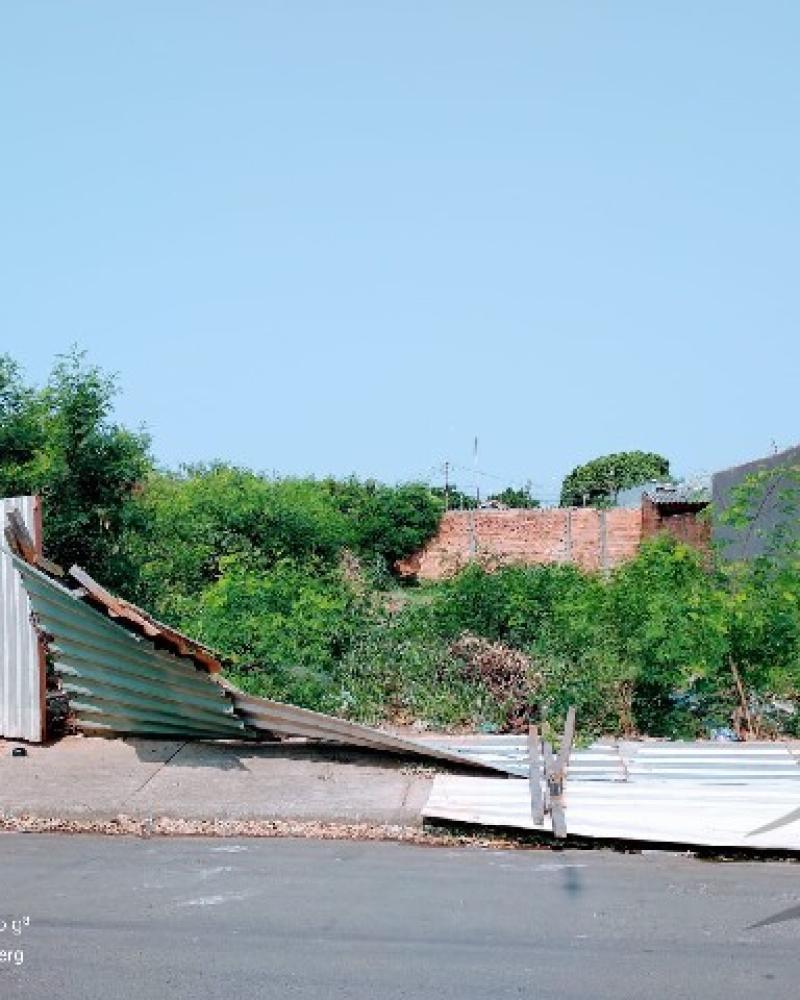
(507, 674)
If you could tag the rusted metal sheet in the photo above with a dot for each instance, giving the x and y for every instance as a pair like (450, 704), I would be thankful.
(138, 619)
(22, 669)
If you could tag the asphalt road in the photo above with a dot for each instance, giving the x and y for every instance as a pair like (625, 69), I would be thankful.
(146, 919)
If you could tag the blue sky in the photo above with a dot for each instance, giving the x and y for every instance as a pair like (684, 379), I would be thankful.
(330, 237)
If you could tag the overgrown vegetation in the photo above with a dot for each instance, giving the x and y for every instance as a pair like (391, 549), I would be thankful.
(292, 579)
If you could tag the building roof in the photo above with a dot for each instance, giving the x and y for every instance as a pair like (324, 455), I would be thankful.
(665, 494)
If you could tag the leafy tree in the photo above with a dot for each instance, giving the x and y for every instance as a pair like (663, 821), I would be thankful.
(454, 498)
(387, 522)
(518, 498)
(59, 441)
(665, 621)
(597, 482)
(187, 525)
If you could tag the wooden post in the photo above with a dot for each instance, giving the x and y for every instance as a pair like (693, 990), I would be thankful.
(566, 744)
(555, 772)
(535, 777)
(555, 790)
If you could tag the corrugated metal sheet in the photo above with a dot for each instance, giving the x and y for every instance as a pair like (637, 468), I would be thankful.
(599, 762)
(649, 810)
(22, 666)
(119, 682)
(143, 623)
(632, 760)
(278, 717)
(709, 763)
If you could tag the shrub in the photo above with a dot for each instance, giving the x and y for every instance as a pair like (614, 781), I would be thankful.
(393, 673)
(389, 522)
(507, 675)
(188, 524)
(284, 628)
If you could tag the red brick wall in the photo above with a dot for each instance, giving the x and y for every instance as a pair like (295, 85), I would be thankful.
(593, 539)
(685, 525)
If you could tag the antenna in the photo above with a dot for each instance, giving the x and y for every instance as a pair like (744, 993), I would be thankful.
(473, 542)
(475, 467)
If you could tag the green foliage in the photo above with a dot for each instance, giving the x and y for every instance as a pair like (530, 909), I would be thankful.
(284, 628)
(60, 442)
(765, 506)
(401, 672)
(453, 498)
(188, 524)
(650, 648)
(515, 604)
(597, 482)
(521, 498)
(387, 522)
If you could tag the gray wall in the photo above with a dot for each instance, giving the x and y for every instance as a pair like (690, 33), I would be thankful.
(745, 544)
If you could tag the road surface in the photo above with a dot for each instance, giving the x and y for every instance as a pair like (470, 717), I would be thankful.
(199, 919)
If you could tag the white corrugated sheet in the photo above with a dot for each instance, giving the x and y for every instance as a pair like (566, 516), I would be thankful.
(698, 794)
(599, 762)
(632, 760)
(21, 681)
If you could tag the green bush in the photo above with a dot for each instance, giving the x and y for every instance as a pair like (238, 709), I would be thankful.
(285, 628)
(394, 673)
(389, 522)
(187, 524)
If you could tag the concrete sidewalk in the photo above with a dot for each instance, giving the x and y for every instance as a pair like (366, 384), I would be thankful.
(82, 778)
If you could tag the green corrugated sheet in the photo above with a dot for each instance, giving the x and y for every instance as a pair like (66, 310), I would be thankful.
(118, 682)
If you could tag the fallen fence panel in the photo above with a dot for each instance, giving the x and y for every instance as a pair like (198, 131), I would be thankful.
(278, 717)
(119, 682)
(651, 811)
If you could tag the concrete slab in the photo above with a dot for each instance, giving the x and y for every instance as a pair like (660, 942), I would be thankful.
(99, 779)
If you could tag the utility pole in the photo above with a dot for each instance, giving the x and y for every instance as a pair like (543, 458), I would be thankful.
(447, 486)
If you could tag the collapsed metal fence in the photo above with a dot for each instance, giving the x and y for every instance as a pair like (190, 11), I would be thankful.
(117, 681)
(127, 674)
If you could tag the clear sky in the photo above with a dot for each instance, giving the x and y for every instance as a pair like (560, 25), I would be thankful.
(349, 236)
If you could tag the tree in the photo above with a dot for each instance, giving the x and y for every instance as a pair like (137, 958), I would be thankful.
(388, 522)
(596, 483)
(518, 498)
(454, 498)
(186, 526)
(60, 442)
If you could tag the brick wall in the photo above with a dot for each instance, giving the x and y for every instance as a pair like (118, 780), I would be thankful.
(682, 522)
(593, 539)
